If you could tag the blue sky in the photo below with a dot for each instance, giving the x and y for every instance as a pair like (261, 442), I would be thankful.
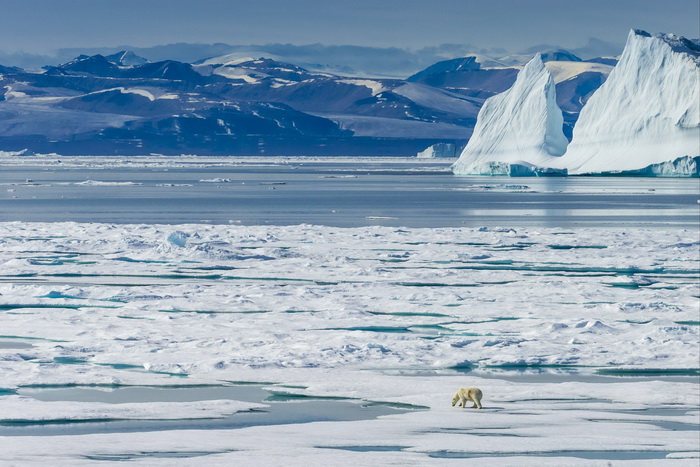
(40, 26)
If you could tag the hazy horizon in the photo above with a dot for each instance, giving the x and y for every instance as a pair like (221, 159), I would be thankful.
(44, 27)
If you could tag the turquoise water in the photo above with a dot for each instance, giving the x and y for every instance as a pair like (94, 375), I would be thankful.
(282, 409)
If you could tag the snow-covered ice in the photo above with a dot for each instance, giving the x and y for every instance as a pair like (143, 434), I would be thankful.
(374, 314)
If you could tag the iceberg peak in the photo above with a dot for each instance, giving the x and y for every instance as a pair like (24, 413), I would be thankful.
(522, 126)
(640, 32)
(646, 113)
(678, 44)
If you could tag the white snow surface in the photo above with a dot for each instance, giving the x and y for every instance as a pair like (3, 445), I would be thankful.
(522, 125)
(487, 62)
(647, 112)
(309, 310)
(362, 125)
(375, 86)
(338, 279)
(231, 59)
(244, 74)
(562, 71)
(439, 99)
(141, 92)
(14, 120)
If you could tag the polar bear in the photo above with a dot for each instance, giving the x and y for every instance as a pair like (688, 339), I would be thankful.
(468, 394)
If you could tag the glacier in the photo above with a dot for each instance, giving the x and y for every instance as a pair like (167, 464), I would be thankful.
(518, 129)
(646, 113)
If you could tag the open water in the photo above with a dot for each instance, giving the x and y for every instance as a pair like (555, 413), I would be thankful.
(342, 194)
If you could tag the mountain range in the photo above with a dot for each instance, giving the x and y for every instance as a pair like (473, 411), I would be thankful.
(122, 103)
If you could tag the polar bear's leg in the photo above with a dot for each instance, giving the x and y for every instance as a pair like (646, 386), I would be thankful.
(476, 398)
(463, 401)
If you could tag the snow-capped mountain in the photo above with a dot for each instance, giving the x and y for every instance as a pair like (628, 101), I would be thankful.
(120, 102)
(646, 113)
(467, 76)
(126, 58)
(101, 105)
(96, 65)
(559, 55)
(255, 71)
(517, 129)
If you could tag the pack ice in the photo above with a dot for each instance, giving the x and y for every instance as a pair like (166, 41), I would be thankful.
(644, 120)
(517, 131)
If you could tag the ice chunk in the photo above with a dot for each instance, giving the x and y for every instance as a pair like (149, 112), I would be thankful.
(440, 150)
(178, 238)
(685, 166)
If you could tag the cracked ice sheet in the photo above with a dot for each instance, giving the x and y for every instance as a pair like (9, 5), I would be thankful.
(203, 300)
(278, 304)
(27, 408)
(517, 419)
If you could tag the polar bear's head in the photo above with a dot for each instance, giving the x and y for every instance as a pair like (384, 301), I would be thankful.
(455, 399)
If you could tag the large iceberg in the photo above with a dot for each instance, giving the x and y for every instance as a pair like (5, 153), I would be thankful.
(647, 113)
(518, 130)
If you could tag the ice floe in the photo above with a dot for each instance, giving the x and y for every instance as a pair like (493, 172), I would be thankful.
(584, 341)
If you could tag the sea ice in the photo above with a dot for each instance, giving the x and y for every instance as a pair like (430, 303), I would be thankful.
(533, 317)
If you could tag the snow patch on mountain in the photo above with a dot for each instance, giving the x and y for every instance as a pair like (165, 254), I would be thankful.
(375, 86)
(646, 113)
(151, 94)
(434, 98)
(228, 59)
(383, 127)
(27, 119)
(562, 71)
(139, 92)
(126, 58)
(522, 126)
(236, 73)
(545, 55)
(486, 62)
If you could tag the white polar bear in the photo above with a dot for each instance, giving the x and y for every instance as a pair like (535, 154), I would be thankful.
(468, 394)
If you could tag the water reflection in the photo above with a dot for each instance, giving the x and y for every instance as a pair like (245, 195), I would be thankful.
(342, 194)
